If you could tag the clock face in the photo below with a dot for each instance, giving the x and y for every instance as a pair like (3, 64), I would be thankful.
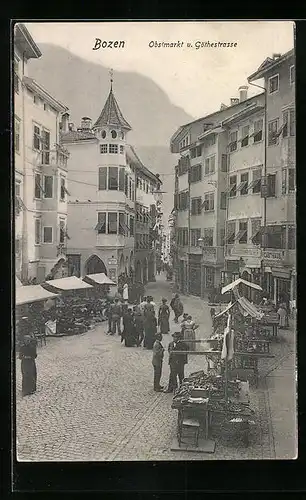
(103, 134)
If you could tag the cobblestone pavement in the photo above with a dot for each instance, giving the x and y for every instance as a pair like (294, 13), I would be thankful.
(95, 401)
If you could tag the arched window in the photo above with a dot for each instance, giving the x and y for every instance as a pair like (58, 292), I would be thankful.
(114, 134)
(103, 134)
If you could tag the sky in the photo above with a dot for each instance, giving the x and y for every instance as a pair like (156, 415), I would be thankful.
(192, 78)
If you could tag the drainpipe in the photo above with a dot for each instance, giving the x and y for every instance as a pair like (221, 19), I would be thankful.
(263, 243)
(25, 253)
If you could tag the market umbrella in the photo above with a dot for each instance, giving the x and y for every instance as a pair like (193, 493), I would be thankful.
(99, 279)
(65, 284)
(237, 282)
(32, 293)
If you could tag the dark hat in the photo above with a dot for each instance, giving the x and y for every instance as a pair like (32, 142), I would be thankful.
(176, 334)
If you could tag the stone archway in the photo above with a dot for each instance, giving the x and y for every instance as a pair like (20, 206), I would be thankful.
(138, 271)
(95, 265)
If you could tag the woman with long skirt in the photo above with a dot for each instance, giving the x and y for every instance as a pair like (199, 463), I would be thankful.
(27, 355)
(150, 325)
(163, 317)
(129, 330)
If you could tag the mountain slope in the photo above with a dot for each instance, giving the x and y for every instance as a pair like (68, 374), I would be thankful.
(84, 86)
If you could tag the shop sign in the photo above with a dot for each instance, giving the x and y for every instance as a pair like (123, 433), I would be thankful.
(274, 255)
(254, 252)
(112, 262)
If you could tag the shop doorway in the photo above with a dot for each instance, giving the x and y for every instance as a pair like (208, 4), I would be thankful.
(195, 279)
(95, 265)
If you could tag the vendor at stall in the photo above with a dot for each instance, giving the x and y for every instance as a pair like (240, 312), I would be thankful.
(177, 361)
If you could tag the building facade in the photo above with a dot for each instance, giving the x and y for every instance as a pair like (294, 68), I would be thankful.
(279, 185)
(201, 198)
(111, 198)
(40, 171)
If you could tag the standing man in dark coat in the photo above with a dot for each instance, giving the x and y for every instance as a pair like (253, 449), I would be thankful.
(176, 361)
(27, 355)
(157, 361)
(116, 313)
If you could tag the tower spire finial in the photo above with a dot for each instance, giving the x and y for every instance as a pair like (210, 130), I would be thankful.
(111, 74)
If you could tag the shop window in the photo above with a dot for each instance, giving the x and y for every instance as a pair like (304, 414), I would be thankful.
(121, 179)
(210, 165)
(195, 234)
(272, 132)
(196, 173)
(112, 222)
(48, 186)
(37, 231)
(258, 129)
(208, 237)
(245, 136)
(233, 186)
(273, 84)
(101, 225)
(113, 178)
(233, 141)
(17, 135)
(196, 206)
(103, 149)
(102, 178)
(209, 202)
(48, 234)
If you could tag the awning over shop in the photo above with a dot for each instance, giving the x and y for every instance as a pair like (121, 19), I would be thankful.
(32, 293)
(18, 282)
(249, 308)
(99, 279)
(281, 273)
(228, 307)
(237, 282)
(69, 283)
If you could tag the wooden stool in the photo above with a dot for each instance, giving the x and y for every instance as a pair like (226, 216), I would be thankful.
(186, 422)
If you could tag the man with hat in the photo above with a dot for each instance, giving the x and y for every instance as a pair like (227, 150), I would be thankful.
(157, 361)
(177, 361)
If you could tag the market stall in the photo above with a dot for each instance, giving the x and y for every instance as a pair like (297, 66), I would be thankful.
(221, 396)
(30, 300)
(74, 312)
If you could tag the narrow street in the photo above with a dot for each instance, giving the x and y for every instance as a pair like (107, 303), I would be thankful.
(95, 400)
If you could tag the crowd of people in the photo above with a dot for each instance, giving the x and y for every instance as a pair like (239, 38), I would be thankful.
(139, 325)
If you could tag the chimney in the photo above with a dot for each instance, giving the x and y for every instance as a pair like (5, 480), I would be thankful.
(276, 56)
(65, 122)
(86, 123)
(223, 106)
(234, 101)
(71, 126)
(243, 93)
